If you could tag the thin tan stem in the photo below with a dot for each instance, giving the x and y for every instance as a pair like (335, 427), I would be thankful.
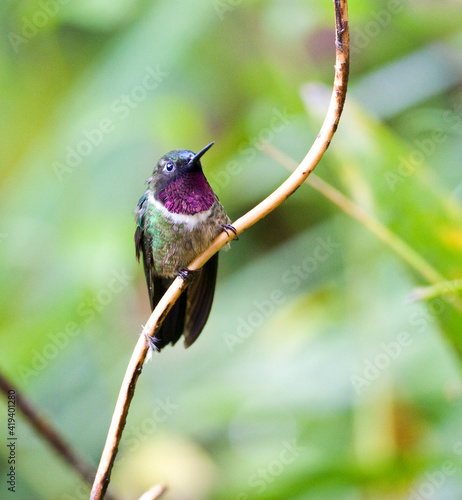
(435, 290)
(261, 210)
(154, 493)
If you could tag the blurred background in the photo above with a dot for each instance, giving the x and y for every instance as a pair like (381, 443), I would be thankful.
(330, 365)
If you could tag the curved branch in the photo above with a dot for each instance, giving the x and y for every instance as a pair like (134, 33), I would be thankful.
(307, 165)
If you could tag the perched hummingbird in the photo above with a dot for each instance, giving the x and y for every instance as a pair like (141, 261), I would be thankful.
(177, 218)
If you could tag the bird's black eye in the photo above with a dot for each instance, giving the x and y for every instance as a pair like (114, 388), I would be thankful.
(169, 166)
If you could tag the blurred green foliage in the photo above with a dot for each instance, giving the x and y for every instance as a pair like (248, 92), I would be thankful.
(315, 377)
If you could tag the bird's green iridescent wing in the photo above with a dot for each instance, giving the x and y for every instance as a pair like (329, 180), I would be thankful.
(143, 244)
(173, 325)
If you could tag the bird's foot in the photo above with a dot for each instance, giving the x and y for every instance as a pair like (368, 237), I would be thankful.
(187, 275)
(229, 227)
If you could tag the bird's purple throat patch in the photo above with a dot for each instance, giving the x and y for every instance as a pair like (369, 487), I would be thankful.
(188, 195)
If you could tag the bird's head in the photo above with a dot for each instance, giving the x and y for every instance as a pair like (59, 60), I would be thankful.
(179, 182)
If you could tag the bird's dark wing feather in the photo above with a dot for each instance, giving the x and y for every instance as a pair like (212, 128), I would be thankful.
(173, 324)
(139, 217)
(199, 301)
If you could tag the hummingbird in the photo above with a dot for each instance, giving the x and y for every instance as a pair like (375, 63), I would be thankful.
(177, 218)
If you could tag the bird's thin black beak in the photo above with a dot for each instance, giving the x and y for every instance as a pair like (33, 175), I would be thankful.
(195, 159)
